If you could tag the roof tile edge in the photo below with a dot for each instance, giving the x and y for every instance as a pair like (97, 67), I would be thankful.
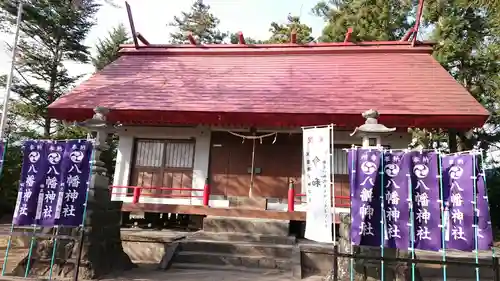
(289, 48)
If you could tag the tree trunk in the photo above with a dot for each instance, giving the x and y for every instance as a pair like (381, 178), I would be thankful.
(46, 127)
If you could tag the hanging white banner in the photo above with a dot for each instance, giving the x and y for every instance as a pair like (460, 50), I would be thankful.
(317, 177)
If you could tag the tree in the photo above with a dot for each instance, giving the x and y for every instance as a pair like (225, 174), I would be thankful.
(281, 32)
(469, 48)
(202, 24)
(51, 33)
(107, 48)
(377, 20)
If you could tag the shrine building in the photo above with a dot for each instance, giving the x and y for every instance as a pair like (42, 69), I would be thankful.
(206, 127)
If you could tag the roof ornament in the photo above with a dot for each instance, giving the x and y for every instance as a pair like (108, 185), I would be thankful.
(241, 38)
(191, 38)
(348, 35)
(293, 36)
(371, 131)
(132, 26)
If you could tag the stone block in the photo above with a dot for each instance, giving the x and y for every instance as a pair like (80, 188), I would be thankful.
(249, 203)
(243, 237)
(296, 263)
(168, 258)
(229, 247)
(246, 225)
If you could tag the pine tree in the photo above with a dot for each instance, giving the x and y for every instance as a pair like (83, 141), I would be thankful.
(371, 20)
(281, 32)
(52, 31)
(107, 48)
(202, 24)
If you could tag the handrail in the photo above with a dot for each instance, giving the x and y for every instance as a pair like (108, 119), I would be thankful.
(137, 192)
(292, 196)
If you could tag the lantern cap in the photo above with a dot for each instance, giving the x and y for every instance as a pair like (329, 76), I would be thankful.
(371, 126)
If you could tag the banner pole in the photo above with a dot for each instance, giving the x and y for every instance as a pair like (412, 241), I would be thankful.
(476, 219)
(382, 216)
(9, 244)
(8, 86)
(412, 226)
(32, 243)
(353, 175)
(443, 221)
(82, 233)
(332, 184)
(54, 247)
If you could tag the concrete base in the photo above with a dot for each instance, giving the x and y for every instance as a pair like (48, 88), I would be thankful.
(255, 203)
(246, 225)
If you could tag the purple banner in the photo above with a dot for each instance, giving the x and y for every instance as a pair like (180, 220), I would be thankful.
(76, 179)
(426, 203)
(485, 231)
(396, 169)
(51, 191)
(365, 199)
(459, 196)
(33, 176)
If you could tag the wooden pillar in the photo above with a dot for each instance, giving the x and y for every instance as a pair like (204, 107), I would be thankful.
(452, 140)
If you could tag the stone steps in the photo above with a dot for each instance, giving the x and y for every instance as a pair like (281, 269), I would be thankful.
(243, 237)
(246, 225)
(206, 258)
(211, 267)
(241, 248)
(239, 244)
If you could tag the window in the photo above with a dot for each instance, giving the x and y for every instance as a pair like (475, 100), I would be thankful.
(161, 153)
(163, 163)
(179, 155)
(340, 161)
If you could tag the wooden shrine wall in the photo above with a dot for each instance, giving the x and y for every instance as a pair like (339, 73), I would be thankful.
(275, 164)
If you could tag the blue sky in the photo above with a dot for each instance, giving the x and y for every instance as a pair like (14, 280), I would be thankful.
(252, 17)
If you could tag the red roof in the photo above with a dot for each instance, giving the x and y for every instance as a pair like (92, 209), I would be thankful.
(276, 85)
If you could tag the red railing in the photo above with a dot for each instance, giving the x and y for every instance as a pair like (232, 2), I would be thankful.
(137, 192)
(292, 198)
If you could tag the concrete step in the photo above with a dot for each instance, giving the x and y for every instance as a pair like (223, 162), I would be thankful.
(242, 237)
(246, 225)
(232, 260)
(241, 248)
(211, 267)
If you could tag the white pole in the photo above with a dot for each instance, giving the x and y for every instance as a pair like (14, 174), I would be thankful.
(11, 74)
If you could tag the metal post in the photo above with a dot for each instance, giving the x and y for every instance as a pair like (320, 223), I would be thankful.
(206, 193)
(291, 196)
(11, 73)
(137, 194)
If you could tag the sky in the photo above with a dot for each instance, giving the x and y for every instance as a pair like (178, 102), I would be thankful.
(252, 17)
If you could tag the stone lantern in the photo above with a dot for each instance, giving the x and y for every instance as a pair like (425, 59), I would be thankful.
(102, 247)
(371, 132)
